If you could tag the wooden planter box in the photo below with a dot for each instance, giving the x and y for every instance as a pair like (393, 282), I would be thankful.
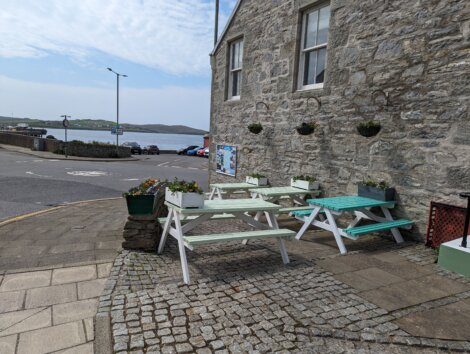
(386, 195)
(257, 181)
(302, 184)
(140, 204)
(185, 200)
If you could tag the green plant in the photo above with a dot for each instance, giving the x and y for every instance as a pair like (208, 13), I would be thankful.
(184, 187)
(145, 188)
(304, 178)
(371, 183)
(256, 175)
(255, 128)
(369, 128)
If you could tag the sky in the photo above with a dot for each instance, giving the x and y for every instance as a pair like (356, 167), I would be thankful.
(54, 55)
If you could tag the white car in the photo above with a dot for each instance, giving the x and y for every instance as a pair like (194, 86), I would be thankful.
(206, 152)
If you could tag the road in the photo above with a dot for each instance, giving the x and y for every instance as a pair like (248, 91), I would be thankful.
(29, 184)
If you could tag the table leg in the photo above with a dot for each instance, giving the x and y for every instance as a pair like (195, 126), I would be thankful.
(282, 246)
(334, 229)
(166, 229)
(211, 196)
(182, 250)
(307, 222)
(219, 194)
(395, 232)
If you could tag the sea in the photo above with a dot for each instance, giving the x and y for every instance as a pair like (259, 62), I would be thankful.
(163, 141)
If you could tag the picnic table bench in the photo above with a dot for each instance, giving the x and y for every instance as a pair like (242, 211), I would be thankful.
(220, 189)
(360, 208)
(235, 208)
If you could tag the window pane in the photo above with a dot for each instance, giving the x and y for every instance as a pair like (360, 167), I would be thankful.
(320, 71)
(323, 25)
(236, 83)
(309, 68)
(240, 55)
(311, 29)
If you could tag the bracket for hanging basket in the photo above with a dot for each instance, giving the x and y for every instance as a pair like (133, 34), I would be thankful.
(316, 100)
(381, 93)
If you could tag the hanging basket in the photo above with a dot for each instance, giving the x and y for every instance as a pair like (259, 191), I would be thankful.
(255, 128)
(306, 128)
(369, 129)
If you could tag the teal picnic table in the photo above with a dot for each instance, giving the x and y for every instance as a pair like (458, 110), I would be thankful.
(212, 210)
(360, 207)
(219, 189)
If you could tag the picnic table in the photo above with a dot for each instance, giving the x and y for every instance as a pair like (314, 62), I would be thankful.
(218, 189)
(237, 208)
(360, 207)
(275, 194)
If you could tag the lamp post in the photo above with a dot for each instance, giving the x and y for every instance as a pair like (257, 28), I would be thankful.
(216, 25)
(65, 124)
(117, 107)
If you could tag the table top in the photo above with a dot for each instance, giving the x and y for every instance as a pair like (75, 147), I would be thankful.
(227, 206)
(281, 191)
(235, 186)
(346, 203)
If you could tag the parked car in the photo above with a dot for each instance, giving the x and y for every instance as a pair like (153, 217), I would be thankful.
(206, 152)
(151, 150)
(183, 151)
(200, 152)
(193, 152)
(135, 148)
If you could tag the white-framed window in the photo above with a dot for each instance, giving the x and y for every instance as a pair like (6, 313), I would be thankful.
(235, 69)
(314, 40)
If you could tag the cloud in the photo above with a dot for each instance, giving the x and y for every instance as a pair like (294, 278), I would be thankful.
(174, 36)
(166, 105)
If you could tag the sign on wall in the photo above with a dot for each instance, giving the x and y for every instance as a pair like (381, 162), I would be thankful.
(226, 160)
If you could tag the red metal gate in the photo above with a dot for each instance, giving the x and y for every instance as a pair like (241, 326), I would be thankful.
(446, 223)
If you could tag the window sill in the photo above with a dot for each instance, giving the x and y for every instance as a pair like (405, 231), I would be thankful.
(233, 100)
(310, 92)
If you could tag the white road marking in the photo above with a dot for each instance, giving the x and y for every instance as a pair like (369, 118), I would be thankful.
(193, 168)
(35, 174)
(176, 166)
(130, 179)
(53, 160)
(163, 164)
(88, 173)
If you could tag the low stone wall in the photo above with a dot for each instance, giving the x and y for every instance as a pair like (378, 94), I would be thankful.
(91, 150)
(17, 140)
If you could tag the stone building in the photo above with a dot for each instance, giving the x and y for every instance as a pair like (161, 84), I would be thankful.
(403, 63)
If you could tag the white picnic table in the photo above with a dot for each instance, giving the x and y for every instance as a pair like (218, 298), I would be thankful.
(360, 207)
(218, 189)
(274, 194)
(236, 208)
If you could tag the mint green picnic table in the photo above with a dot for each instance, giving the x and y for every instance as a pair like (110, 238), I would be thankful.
(218, 189)
(238, 208)
(358, 206)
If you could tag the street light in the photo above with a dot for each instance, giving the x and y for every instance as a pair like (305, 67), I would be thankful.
(117, 107)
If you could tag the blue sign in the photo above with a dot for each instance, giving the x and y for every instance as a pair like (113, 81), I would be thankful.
(117, 130)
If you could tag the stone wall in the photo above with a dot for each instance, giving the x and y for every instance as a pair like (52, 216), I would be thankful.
(417, 52)
(17, 140)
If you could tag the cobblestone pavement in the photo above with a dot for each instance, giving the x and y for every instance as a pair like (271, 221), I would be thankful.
(243, 299)
(50, 310)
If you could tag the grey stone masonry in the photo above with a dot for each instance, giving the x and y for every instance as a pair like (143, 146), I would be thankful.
(416, 53)
(141, 233)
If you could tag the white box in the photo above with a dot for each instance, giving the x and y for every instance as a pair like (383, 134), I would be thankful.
(184, 200)
(302, 184)
(257, 181)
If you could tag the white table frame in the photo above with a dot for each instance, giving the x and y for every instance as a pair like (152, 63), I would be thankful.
(178, 231)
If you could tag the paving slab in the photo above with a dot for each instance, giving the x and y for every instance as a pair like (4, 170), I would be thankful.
(90, 289)
(50, 339)
(8, 344)
(75, 247)
(51, 295)
(73, 274)
(74, 311)
(369, 278)
(12, 282)
(450, 322)
(89, 327)
(11, 301)
(104, 269)
(80, 349)
(22, 321)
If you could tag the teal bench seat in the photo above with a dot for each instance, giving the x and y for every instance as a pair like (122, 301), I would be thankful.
(354, 232)
(306, 208)
(237, 236)
(192, 217)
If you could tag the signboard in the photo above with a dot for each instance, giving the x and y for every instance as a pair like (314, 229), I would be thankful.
(117, 130)
(65, 123)
(226, 160)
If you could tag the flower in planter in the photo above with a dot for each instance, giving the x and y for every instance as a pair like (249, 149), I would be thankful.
(369, 128)
(380, 185)
(256, 175)
(304, 178)
(255, 128)
(145, 188)
(306, 128)
(184, 187)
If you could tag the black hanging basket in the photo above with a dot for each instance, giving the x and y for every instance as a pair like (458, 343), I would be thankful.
(255, 128)
(368, 131)
(305, 129)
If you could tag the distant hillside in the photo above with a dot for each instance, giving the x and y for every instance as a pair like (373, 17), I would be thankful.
(99, 124)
